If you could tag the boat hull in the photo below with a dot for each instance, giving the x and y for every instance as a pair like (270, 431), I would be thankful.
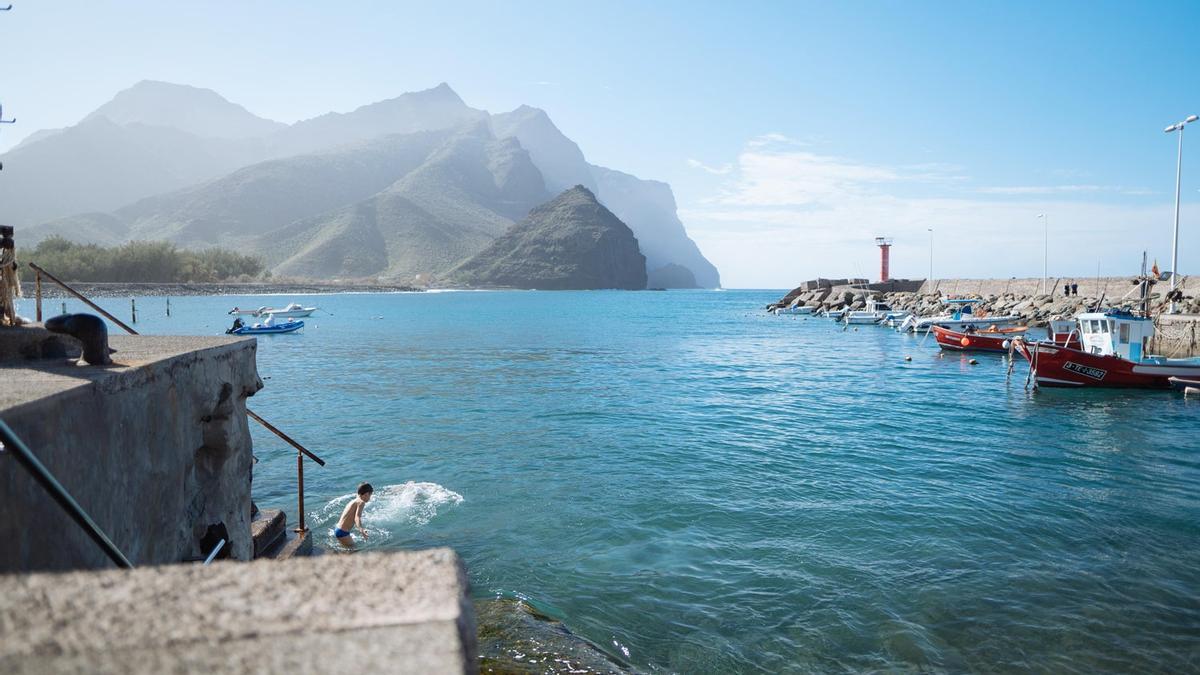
(957, 341)
(1058, 366)
(289, 327)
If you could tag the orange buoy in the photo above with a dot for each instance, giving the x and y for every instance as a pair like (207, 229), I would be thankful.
(966, 342)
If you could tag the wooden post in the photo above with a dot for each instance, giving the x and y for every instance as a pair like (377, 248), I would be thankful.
(300, 492)
(37, 294)
(133, 309)
(168, 307)
(64, 307)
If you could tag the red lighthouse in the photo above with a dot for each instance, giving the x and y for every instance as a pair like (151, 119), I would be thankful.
(885, 246)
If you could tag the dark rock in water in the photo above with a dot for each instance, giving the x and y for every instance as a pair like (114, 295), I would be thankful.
(671, 276)
(516, 638)
(571, 242)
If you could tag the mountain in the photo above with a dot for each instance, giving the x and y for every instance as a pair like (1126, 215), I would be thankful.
(200, 112)
(339, 194)
(558, 158)
(464, 194)
(427, 110)
(570, 242)
(649, 208)
(98, 165)
(262, 197)
(671, 276)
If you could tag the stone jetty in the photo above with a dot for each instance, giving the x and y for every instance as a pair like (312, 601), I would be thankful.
(1179, 335)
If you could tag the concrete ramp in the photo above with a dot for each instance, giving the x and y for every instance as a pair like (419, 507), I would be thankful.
(364, 612)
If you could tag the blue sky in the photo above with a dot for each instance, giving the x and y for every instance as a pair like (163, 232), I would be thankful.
(792, 132)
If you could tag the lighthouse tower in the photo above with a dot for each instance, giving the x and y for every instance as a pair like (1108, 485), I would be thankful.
(885, 246)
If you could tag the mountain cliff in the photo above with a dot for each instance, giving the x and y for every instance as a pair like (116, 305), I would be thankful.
(570, 242)
(401, 188)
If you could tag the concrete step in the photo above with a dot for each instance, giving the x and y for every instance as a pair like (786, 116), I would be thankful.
(269, 530)
(296, 544)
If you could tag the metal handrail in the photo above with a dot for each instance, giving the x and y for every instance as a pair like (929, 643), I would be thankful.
(304, 452)
(64, 499)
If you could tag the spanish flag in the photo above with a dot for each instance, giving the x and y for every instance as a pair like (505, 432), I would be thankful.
(1154, 270)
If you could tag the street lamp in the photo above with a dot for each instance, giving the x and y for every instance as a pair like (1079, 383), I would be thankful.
(1045, 253)
(930, 229)
(1178, 126)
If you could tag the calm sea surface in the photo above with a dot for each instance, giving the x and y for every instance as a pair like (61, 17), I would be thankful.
(693, 485)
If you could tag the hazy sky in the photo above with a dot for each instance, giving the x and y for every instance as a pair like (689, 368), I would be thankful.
(792, 133)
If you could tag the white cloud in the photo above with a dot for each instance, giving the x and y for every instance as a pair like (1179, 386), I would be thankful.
(784, 214)
(718, 171)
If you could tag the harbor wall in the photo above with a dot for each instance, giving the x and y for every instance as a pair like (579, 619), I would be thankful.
(155, 448)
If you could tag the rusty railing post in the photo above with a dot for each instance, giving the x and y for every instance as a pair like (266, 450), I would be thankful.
(37, 293)
(300, 492)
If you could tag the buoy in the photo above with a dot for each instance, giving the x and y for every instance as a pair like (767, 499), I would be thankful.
(966, 342)
(908, 358)
(1007, 344)
(973, 362)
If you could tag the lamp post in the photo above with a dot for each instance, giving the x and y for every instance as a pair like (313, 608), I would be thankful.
(930, 259)
(1178, 126)
(1045, 254)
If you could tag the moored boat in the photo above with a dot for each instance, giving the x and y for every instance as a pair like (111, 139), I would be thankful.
(874, 312)
(962, 316)
(292, 310)
(997, 339)
(1188, 387)
(1112, 353)
(267, 327)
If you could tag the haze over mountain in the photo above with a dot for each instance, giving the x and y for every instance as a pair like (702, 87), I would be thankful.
(403, 188)
(570, 242)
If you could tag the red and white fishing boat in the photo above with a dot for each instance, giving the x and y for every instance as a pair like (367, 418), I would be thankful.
(1112, 354)
(999, 339)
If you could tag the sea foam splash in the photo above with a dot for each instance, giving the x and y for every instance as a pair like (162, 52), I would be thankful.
(411, 503)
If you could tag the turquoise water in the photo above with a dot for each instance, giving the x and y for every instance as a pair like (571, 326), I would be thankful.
(696, 486)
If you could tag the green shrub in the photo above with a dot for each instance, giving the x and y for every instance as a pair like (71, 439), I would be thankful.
(141, 261)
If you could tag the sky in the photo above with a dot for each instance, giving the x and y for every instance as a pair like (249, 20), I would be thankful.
(793, 133)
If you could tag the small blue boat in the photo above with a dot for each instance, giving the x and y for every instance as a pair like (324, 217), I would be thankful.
(264, 329)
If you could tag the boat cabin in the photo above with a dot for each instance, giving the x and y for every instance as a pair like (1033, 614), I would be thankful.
(961, 307)
(1115, 333)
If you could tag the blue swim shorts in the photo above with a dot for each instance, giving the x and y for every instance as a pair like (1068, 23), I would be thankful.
(339, 533)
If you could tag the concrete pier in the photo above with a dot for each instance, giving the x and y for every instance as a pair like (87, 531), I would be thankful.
(366, 612)
(155, 448)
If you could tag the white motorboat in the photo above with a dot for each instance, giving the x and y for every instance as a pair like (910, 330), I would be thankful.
(798, 309)
(894, 319)
(874, 312)
(961, 318)
(291, 311)
(835, 314)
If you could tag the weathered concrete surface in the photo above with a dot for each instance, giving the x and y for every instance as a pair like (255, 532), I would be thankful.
(22, 343)
(155, 448)
(368, 612)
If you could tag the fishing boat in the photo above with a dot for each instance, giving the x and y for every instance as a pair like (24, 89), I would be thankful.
(1000, 340)
(268, 327)
(292, 310)
(835, 314)
(894, 319)
(1112, 354)
(874, 312)
(961, 317)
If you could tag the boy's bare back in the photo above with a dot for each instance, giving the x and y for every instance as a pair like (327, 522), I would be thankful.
(350, 515)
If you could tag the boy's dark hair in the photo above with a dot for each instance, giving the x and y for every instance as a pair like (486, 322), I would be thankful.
(364, 488)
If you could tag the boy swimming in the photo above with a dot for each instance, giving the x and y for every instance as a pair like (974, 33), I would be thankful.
(352, 516)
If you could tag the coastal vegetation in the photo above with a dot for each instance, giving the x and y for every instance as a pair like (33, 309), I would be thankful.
(143, 261)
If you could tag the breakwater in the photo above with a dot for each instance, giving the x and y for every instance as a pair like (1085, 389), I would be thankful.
(1176, 335)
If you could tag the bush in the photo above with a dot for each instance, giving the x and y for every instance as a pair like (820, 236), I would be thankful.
(141, 261)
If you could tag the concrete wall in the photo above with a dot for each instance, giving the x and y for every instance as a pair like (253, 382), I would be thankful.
(1112, 287)
(155, 448)
(372, 613)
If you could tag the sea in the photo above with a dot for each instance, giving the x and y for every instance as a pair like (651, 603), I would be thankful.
(680, 482)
